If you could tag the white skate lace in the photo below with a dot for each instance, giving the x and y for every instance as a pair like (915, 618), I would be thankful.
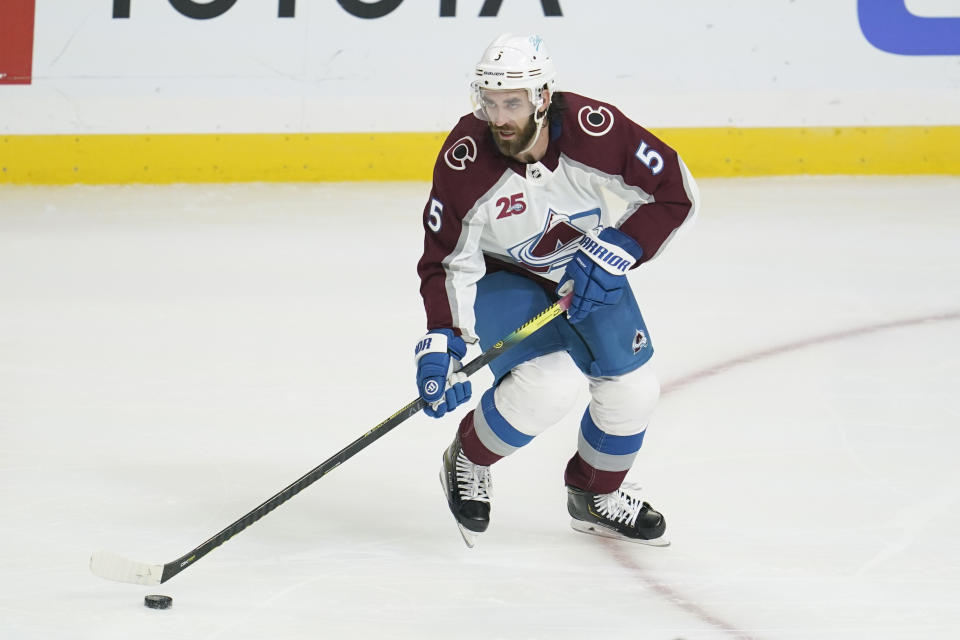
(620, 506)
(473, 480)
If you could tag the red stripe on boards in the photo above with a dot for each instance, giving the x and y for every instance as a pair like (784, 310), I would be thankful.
(16, 41)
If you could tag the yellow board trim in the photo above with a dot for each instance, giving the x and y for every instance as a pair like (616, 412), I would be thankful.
(732, 152)
(336, 157)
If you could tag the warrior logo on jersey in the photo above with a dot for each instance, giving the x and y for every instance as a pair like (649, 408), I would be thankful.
(595, 122)
(555, 245)
(462, 151)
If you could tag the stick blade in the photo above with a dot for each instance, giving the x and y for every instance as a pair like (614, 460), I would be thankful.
(110, 566)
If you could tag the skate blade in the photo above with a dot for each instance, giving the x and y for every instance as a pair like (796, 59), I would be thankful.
(597, 530)
(469, 537)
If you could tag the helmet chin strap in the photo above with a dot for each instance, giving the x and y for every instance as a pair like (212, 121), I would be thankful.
(536, 135)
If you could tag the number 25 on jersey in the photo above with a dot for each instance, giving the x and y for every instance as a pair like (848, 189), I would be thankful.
(512, 206)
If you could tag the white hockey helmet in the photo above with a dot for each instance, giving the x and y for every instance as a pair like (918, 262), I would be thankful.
(513, 62)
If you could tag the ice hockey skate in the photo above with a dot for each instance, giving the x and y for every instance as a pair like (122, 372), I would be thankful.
(621, 515)
(467, 487)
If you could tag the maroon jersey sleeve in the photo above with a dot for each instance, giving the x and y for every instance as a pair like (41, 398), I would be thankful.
(602, 137)
(442, 225)
(452, 262)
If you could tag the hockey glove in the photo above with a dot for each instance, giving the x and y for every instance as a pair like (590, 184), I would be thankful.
(598, 271)
(438, 356)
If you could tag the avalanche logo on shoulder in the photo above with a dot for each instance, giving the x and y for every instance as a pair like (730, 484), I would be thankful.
(460, 153)
(595, 122)
(555, 245)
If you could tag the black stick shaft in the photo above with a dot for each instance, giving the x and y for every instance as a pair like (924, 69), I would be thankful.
(538, 321)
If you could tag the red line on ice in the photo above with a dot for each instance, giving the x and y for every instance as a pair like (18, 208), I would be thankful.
(621, 553)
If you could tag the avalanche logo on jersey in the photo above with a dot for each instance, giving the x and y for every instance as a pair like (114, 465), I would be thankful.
(595, 122)
(462, 151)
(639, 341)
(555, 245)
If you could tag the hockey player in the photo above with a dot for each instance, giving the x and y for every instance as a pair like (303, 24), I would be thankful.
(519, 211)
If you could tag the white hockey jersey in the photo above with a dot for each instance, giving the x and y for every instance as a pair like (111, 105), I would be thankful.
(489, 212)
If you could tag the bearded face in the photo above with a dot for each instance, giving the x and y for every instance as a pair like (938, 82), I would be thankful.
(512, 138)
(510, 116)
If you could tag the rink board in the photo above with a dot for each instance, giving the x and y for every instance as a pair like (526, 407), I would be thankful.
(334, 157)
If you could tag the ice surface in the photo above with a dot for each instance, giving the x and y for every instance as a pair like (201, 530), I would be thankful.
(172, 356)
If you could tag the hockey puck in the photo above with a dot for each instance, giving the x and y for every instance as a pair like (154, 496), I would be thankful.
(158, 602)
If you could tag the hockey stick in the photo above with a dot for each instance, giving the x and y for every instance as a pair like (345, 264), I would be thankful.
(114, 567)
